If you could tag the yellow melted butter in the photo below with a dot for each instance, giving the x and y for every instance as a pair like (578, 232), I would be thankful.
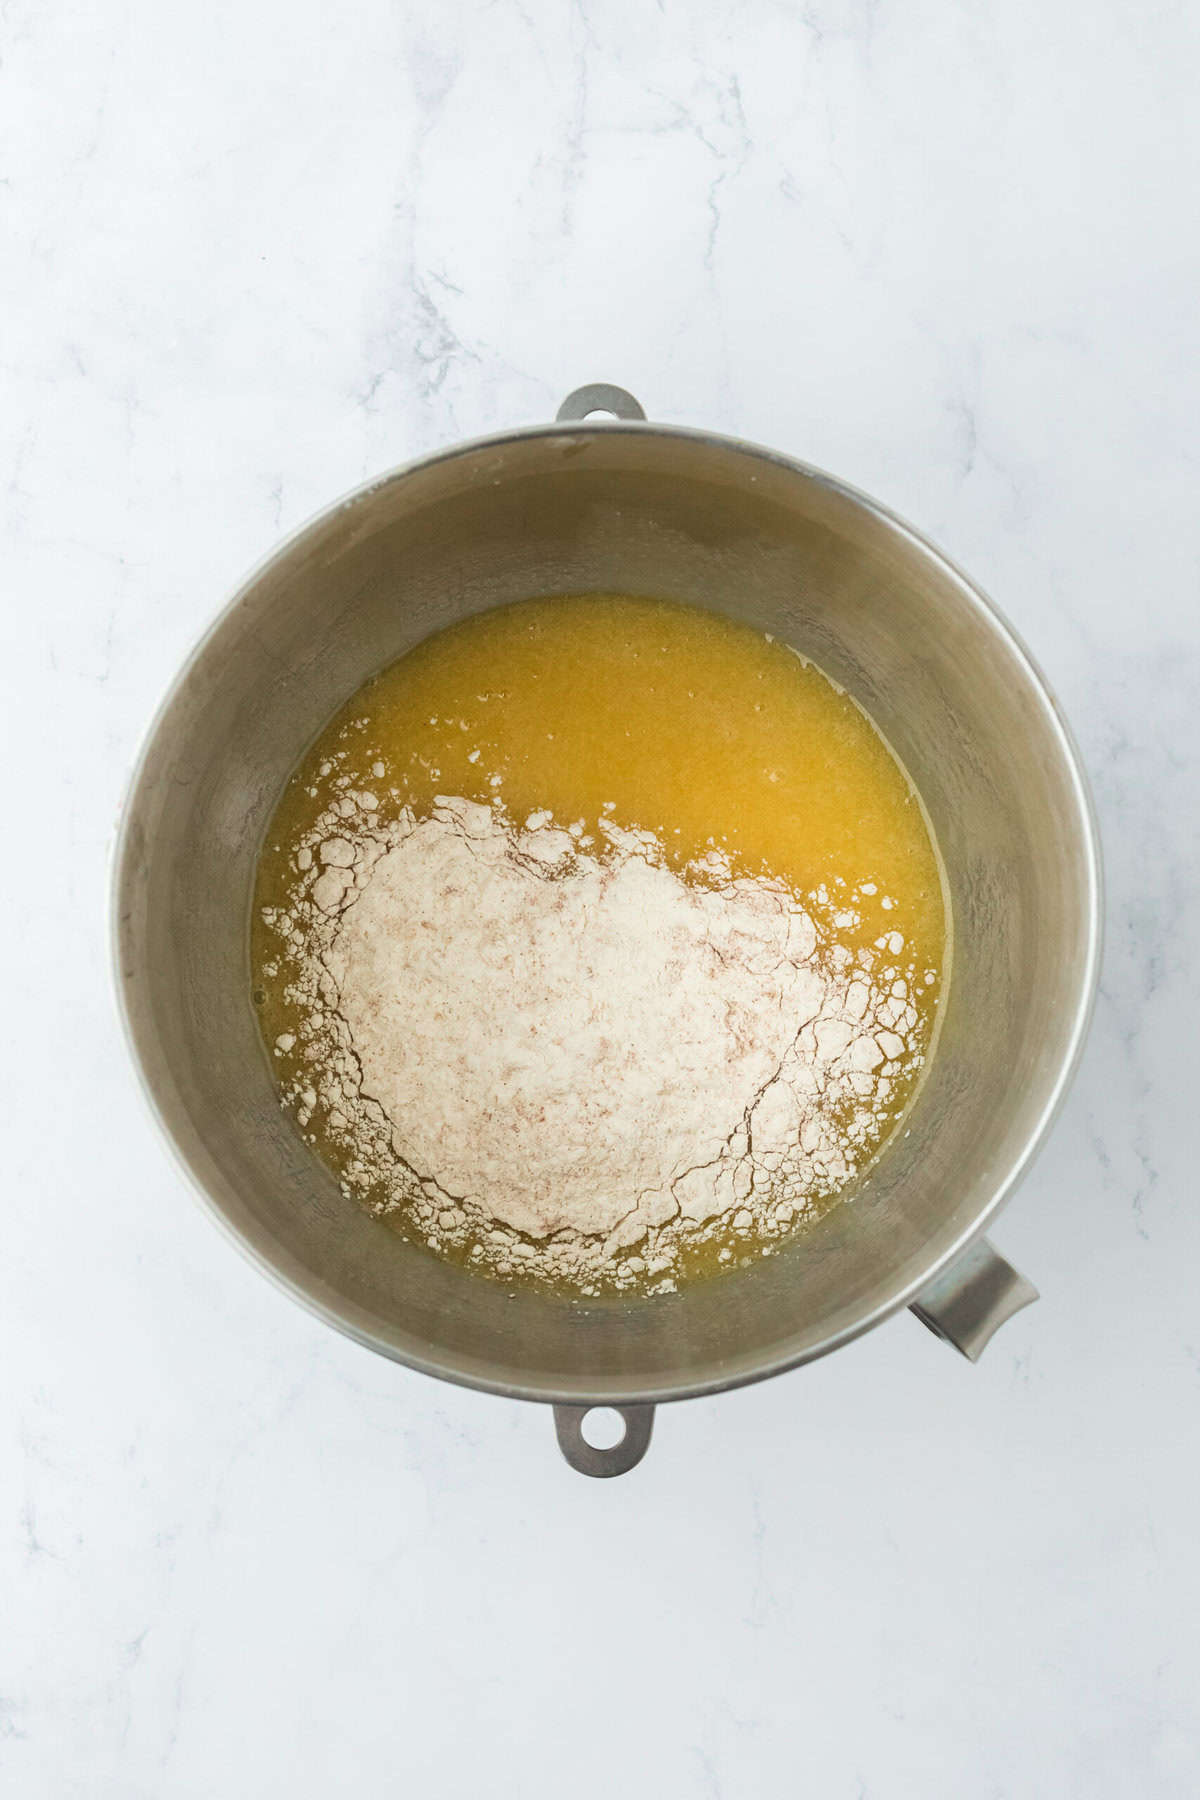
(658, 716)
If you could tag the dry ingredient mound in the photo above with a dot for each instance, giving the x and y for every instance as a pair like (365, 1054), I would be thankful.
(558, 1055)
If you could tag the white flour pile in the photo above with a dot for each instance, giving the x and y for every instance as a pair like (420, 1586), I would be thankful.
(572, 1061)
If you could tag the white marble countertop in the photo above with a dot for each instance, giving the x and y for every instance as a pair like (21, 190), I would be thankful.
(259, 251)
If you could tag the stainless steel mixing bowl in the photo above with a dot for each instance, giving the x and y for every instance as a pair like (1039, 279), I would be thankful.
(638, 508)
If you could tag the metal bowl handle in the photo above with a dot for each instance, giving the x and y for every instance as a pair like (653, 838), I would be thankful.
(600, 396)
(621, 1457)
(971, 1299)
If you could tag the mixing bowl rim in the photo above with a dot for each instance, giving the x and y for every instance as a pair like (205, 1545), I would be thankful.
(306, 1292)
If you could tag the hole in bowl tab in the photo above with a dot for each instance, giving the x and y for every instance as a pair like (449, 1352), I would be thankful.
(603, 1428)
